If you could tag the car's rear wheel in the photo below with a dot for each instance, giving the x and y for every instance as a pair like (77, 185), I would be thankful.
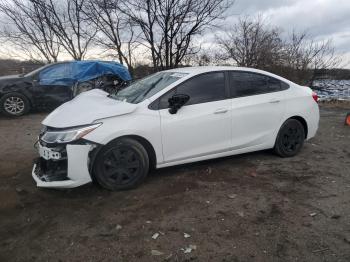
(14, 104)
(290, 138)
(121, 164)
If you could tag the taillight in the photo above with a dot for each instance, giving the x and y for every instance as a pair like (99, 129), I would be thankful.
(315, 96)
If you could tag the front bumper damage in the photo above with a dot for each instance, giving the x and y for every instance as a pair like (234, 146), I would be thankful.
(63, 166)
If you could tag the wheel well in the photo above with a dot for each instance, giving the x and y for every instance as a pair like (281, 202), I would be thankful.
(144, 142)
(303, 122)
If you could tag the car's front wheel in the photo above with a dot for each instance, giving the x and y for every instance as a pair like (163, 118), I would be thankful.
(14, 104)
(121, 164)
(290, 138)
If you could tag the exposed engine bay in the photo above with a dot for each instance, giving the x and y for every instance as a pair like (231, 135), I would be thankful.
(108, 83)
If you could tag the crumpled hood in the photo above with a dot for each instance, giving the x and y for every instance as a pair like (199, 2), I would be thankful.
(86, 108)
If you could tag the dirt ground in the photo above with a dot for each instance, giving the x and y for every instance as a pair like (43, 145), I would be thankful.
(252, 207)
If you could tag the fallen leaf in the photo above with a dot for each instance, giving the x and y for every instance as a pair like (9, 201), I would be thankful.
(189, 249)
(155, 236)
(155, 252)
(186, 235)
(232, 196)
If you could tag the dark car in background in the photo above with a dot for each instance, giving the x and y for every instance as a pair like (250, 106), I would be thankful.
(54, 84)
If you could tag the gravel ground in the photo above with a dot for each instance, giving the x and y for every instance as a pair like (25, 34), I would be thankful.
(252, 207)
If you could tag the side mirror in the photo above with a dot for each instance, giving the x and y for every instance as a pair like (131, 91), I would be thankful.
(176, 102)
(35, 78)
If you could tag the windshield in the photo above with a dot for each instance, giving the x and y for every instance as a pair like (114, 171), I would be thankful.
(147, 87)
(37, 70)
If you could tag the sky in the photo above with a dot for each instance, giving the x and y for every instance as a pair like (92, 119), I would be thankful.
(322, 19)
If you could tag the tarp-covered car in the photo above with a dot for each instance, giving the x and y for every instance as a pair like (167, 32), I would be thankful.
(55, 84)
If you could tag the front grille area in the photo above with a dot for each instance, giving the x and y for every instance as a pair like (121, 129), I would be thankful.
(52, 170)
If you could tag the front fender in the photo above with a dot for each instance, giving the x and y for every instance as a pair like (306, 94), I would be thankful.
(18, 87)
(146, 126)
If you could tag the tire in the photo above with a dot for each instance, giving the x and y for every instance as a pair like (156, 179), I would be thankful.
(290, 138)
(14, 104)
(111, 169)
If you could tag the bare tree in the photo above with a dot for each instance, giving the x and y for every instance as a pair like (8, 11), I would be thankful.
(208, 56)
(28, 31)
(251, 43)
(305, 56)
(116, 31)
(169, 26)
(68, 20)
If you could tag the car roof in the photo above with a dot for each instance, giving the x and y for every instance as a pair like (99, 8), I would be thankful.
(194, 70)
(82, 61)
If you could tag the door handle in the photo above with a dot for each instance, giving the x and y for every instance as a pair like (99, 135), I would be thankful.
(221, 111)
(274, 101)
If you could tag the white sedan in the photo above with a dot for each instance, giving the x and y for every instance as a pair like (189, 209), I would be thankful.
(170, 118)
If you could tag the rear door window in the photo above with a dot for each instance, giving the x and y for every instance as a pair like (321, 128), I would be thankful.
(248, 84)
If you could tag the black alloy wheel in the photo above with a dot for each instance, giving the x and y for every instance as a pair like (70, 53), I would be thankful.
(121, 164)
(290, 138)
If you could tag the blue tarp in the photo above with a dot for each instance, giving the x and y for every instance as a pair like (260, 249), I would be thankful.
(70, 73)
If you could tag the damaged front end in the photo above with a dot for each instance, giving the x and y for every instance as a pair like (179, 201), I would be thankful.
(64, 157)
(52, 165)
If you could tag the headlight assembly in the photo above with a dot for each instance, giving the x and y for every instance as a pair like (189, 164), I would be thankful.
(68, 135)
